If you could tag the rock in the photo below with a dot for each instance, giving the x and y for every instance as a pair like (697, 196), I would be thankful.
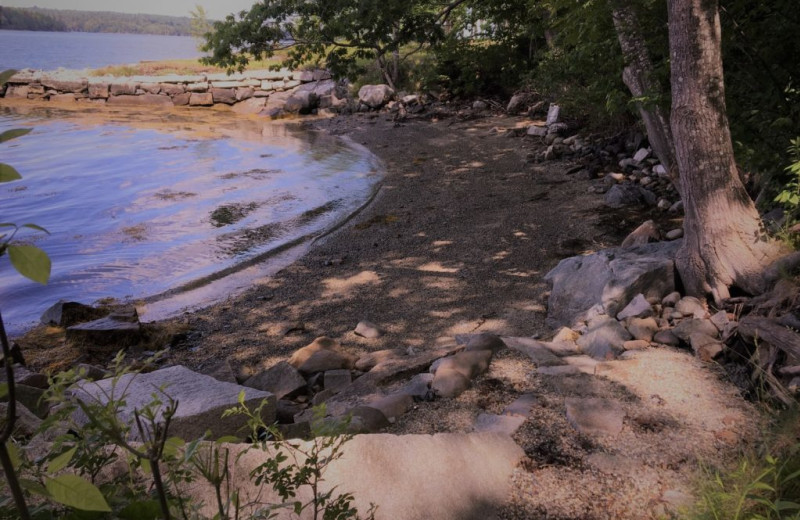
(181, 100)
(456, 476)
(469, 364)
(720, 320)
(485, 341)
(281, 380)
(643, 328)
(375, 96)
(647, 232)
(636, 344)
(23, 376)
(559, 370)
(300, 356)
(666, 337)
(368, 361)
(522, 405)
(325, 360)
(367, 329)
(221, 371)
(143, 100)
(660, 170)
(610, 278)
(244, 93)
(691, 306)
(62, 98)
(639, 307)
(226, 96)
(565, 335)
(504, 424)
(171, 89)
(419, 387)
(628, 195)
(686, 328)
(518, 103)
(114, 332)
(677, 207)
(366, 419)
(322, 396)
(706, 347)
(92, 372)
(31, 398)
(594, 416)
(286, 410)
(553, 114)
(394, 405)
(663, 204)
(250, 106)
(537, 131)
(674, 234)
(201, 99)
(479, 105)
(27, 423)
(449, 382)
(300, 430)
(301, 102)
(671, 299)
(201, 400)
(337, 380)
(122, 89)
(66, 314)
(641, 155)
(604, 338)
(538, 351)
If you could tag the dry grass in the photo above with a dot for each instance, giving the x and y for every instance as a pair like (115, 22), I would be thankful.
(182, 67)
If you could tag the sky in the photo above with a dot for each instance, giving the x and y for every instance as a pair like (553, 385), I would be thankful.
(216, 9)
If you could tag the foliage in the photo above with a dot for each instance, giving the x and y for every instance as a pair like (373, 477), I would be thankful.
(760, 486)
(78, 476)
(199, 25)
(335, 33)
(38, 19)
(789, 196)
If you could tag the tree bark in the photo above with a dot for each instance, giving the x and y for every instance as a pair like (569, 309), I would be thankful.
(639, 77)
(724, 241)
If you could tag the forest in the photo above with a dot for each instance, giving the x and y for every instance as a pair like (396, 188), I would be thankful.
(38, 19)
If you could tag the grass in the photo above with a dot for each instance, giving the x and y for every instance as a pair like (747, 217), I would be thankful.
(763, 484)
(182, 67)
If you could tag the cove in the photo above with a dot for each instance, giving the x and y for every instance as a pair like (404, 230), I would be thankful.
(147, 204)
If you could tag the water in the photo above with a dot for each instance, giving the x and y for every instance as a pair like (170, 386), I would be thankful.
(72, 50)
(141, 203)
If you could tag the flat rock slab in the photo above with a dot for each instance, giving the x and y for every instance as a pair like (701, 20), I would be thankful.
(448, 476)
(594, 416)
(505, 424)
(281, 379)
(604, 338)
(538, 351)
(201, 400)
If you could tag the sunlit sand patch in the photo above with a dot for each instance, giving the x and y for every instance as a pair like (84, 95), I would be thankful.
(345, 286)
(437, 267)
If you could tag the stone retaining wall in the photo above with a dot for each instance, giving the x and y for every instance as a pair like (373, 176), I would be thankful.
(266, 92)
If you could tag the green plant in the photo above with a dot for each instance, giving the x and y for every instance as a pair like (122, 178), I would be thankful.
(789, 197)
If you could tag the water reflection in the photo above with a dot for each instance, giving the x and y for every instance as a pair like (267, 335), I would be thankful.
(140, 203)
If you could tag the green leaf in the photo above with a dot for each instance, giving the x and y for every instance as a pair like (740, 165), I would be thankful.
(13, 454)
(8, 173)
(36, 227)
(144, 510)
(172, 445)
(14, 133)
(34, 487)
(61, 461)
(3, 390)
(6, 75)
(228, 438)
(74, 491)
(31, 262)
(145, 464)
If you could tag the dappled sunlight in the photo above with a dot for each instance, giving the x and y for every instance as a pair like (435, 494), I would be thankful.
(343, 287)
(437, 267)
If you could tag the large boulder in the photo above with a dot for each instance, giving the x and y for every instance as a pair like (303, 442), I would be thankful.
(201, 400)
(450, 476)
(301, 102)
(375, 96)
(609, 279)
(120, 329)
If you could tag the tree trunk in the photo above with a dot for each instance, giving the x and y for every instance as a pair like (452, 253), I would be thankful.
(724, 242)
(639, 77)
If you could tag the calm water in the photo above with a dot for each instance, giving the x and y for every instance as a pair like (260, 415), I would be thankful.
(143, 203)
(51, 50)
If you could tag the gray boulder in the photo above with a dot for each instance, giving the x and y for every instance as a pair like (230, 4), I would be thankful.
(375, 96)
(301, 102)
(629, 195)
(609, 278)
(201, 400)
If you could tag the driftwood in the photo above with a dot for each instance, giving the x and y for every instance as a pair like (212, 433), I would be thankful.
(770, 331)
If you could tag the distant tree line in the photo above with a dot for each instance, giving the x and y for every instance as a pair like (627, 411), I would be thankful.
(37, 19)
